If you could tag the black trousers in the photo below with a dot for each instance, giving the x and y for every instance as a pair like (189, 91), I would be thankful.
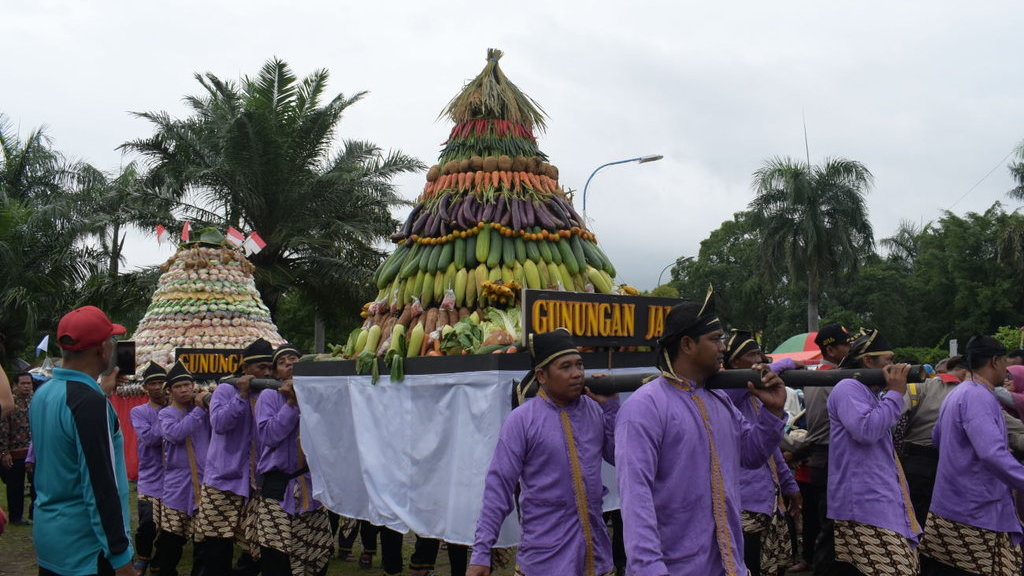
(424, 556)
(810, 520)
(273, 562)
(390, 551)
(825, 543)
(145, 534)
(103, 568)
(218, 555)
(368, 536)
(171, 548)
(920, 466)
(14, 478)
(752, 555)
(613, 519)
(345, 541)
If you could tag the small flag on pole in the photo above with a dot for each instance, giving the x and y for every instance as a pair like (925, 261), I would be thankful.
(234, 237)
(184, 231)
(43, 346)
(253, 244)
(161, 234)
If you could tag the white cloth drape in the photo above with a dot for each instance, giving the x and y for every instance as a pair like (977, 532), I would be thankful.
(411, 455)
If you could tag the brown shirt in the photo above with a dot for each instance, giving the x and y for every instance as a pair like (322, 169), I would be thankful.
(14, 430)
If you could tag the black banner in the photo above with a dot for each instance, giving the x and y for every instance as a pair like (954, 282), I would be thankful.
(605, 320)
(209, 363)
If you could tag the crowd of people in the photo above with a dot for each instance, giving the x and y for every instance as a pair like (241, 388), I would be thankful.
(885, 477)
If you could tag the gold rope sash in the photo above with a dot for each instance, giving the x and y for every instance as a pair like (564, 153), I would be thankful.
(718, 501)
(907, 504)
(193, 468)
(578, 487)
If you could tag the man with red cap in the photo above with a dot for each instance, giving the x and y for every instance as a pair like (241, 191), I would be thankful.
(81, 510)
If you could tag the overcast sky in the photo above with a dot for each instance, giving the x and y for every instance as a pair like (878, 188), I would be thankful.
(928, 95)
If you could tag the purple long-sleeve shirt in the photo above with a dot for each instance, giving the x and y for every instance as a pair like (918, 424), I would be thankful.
(177, 425)
(758, 485)
(232, 442)
(150, 443)
(531, 451)
(976, 470)
(277, 427)
(663, 462)
(864, 484)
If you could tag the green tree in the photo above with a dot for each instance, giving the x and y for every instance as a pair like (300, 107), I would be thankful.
(1017, 171)
(813, 220)
(41, 259)
(258, 155)
(730, 259)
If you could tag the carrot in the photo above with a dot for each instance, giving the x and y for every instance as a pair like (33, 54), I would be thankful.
(516, 180)
(478, 178)
(496, 178)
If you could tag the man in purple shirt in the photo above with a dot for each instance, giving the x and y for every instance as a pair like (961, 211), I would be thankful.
(185, 425)
(875, 528)
(551, 447)
(231, 460)
(292, 529)
(972, 526)
(679, 448)
(767, 546)
(150, 484)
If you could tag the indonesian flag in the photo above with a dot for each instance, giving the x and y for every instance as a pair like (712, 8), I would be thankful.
(234, 237)
(185, 230)
(161, 234)
(253, 244)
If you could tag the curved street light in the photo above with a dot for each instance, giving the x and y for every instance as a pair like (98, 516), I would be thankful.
(638, 160)
(676, 262)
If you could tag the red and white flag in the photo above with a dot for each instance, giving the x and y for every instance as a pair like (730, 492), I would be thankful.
(253, 244)
(185, 231)
(161, 234)
(234, 237)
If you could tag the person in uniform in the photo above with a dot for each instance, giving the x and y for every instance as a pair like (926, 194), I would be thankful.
(833, 340)
(292, 529)
(149, 445)
(972, 526)
(764, 491)
(224, 508)
(185, 425)
(875, 529)
(551, 446)
(679, 448)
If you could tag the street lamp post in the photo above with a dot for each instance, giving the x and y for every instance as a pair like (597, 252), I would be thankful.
(639, 160)
(677, 262)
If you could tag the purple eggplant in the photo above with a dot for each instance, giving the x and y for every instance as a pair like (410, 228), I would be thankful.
(454, 208)
(517, 217)
(488, 211)
(545, 218)
(469, 211)
(529, 217)
(506, 213)
(442, 206)
(500, 209)
(421, 222)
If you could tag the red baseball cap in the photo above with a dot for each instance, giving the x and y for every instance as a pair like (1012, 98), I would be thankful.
(85, 327)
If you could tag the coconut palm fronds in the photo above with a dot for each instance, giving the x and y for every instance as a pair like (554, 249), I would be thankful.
(491, 95)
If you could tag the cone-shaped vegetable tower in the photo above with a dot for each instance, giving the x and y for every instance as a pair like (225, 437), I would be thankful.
(492, 219)
(206, 298)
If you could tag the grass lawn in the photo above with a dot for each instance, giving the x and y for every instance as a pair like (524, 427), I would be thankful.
(18, 557)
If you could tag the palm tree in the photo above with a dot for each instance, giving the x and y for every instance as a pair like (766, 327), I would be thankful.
(258, 156)
(1017, 171)
(903, 244)
(813, 220)
(110, 204)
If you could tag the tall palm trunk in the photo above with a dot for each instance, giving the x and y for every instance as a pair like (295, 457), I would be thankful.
(812, 300)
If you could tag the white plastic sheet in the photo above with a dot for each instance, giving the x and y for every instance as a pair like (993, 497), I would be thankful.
(411, 455)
